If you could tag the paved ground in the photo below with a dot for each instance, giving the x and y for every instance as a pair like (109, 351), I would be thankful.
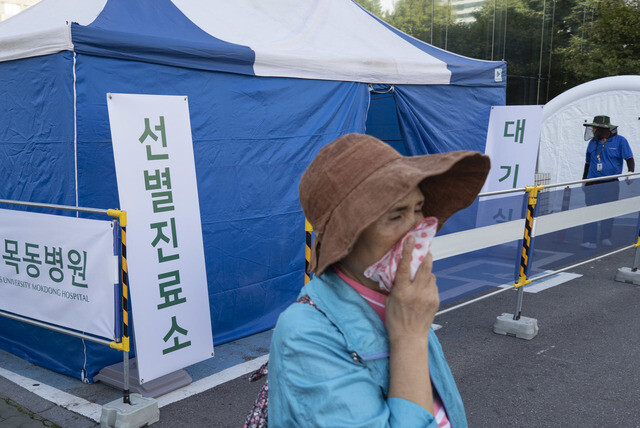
(582, 370)
(14, 414)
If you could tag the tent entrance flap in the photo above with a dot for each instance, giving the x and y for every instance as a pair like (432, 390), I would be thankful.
(382, 117)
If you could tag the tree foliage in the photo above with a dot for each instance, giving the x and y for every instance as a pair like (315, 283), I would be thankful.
(609, 45)
(580, 40)
(372, 6)
(427, 20)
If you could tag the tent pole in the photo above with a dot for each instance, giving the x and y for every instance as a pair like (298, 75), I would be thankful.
(504, 38)
(433, 2)
(446, 31)
(553, 18)
(493, 30)
(75, 130)
(544, 10)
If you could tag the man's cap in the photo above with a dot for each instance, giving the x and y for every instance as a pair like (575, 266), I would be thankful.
(601, 121)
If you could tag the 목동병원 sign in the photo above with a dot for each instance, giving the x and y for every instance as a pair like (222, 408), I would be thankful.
(60, 270)
(155, 169)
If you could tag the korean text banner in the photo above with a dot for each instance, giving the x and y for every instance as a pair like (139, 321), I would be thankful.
(155, 170)
(512, 144)
(60, 270)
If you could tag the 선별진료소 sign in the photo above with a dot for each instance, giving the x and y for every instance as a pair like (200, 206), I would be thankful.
(155, 169)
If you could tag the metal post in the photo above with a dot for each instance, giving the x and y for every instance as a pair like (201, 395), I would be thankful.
(446, 28)
(566, 200)
(493, 30)
(518, 311)
(124, 345)
(544, 10)
(432, 12)
(307, 250)
(526, 247)
(636, 258)
(125, 300)
(553, 19)
(515, 325)
(504, 38)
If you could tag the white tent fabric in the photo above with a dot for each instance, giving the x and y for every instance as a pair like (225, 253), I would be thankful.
(562, 145)
(328, 39)
(44, 28)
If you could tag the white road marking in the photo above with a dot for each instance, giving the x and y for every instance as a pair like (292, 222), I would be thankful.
(552, 281)
(212, 381)
(63, 399)
(93, 411)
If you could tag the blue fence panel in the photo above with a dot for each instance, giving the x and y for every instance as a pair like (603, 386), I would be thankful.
(477, 271)
(565, 247)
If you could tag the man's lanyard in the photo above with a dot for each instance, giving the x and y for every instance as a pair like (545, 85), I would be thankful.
(601, 150)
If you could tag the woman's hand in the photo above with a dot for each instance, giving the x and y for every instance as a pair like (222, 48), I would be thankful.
(410, 308)
(412, 305)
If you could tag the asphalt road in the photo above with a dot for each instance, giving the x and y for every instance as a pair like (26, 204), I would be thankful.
(582, 370)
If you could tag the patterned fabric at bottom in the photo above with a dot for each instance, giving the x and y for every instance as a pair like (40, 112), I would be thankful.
(258, 417)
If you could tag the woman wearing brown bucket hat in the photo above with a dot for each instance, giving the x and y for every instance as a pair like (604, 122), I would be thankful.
(350, 353)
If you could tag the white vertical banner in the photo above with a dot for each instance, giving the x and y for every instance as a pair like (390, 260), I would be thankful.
(512, 144)
(155, 169)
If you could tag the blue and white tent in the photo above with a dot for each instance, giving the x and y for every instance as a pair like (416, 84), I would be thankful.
(269, 83)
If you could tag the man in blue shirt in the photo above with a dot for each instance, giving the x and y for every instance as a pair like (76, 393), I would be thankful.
(605, 153)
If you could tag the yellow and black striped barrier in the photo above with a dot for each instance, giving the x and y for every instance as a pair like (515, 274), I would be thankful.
(123, 345)
(526, 246)
(526, 240)
(636, 257)
(122, 218)
(307, 250)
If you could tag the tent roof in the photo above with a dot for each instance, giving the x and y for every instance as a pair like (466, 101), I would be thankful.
(328, 39)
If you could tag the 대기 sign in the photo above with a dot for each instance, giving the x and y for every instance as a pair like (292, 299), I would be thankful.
(156, 176)
(512, 144)
(60, 270)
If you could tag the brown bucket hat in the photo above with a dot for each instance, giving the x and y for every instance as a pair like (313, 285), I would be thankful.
(357, 178)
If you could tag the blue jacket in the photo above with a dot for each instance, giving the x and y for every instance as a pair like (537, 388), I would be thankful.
(332, 369)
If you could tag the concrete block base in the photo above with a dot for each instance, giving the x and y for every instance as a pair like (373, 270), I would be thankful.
(524, 328)
(141, 412)
(625, 274)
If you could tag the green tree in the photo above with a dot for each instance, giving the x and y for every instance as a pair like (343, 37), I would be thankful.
(549, 46)
(606, 45)
(427, 20)
(372, 6)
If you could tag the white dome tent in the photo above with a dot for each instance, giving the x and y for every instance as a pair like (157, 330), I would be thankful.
(562, 145)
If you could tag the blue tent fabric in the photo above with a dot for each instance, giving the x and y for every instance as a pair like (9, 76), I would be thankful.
(36, 135)
(433, 121)
(37, 157)
(253, 227)
(138, 30)
(253, 137)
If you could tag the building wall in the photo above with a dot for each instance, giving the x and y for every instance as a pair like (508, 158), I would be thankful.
(465, 8)
(9, 8)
